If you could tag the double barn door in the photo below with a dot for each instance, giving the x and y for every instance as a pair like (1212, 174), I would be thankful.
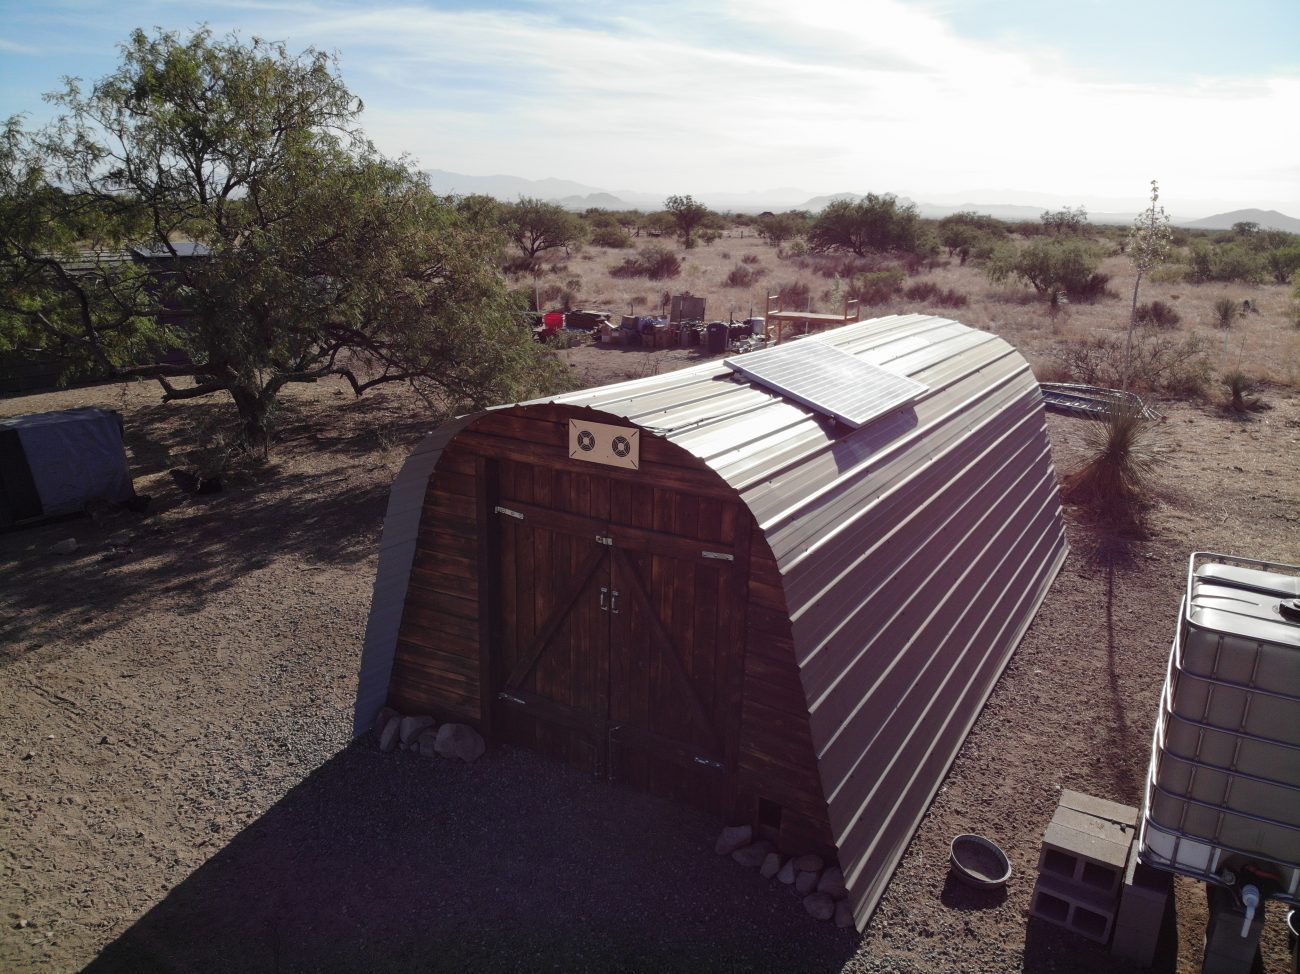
(619, 629)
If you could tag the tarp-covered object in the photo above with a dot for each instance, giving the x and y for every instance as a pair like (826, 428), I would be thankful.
(56, 463)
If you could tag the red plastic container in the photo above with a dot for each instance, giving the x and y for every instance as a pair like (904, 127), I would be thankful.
(553, 321)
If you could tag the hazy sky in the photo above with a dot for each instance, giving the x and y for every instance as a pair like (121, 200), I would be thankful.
(1082, 101)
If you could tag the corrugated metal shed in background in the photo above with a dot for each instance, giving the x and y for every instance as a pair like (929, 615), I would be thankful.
(912, 554)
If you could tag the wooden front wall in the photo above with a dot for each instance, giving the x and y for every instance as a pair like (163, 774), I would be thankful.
(697, 667)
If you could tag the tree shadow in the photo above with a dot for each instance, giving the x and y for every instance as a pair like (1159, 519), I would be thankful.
(212, 544)
(393, 862)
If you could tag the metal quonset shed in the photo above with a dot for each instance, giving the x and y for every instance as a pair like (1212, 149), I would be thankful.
(781, 588)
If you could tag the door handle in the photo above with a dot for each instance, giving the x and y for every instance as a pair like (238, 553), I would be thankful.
(613, 605)
(604, 596)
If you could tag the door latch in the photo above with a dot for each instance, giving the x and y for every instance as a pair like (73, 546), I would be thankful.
(604, 599)
(509, 513)
(505, 696)
(613, 604)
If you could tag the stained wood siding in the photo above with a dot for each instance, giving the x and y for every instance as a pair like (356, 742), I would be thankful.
(397, 544)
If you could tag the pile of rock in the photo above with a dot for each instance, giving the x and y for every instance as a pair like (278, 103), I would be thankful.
(820, 886)
(422, 734)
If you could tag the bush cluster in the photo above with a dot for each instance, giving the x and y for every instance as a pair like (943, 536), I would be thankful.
(932, 295)
(1054, 267)
(1157, 314)
(875, 287)
(655, 262)
(743, 275)
(1159, 364)
(612, 236)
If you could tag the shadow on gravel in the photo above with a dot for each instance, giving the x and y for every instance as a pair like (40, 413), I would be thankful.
(392, 862)
(956, 895)
(324, 520)
(1049, 948)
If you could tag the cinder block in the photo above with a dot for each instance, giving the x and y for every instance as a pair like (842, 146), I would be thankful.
(1087, 850)
(1085, 911)
(1226, 950)
(1142, 904)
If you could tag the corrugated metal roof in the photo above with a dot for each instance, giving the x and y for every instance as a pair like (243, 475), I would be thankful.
(914, 552)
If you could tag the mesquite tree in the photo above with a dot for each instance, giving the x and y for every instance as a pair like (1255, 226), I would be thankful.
(217, 197)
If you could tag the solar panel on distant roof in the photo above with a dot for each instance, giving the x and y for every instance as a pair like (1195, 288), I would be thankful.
(829, 380)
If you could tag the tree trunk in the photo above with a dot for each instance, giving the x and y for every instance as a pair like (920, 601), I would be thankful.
(255, 415)
(1128, 342)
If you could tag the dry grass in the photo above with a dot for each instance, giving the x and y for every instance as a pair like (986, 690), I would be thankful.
(1264, 344)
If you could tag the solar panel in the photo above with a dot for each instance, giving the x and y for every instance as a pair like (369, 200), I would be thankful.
(829, 380)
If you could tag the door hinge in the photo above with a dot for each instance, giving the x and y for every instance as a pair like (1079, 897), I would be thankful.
(707, 762)
(505, 696)
(720, 555)
(602, 539)
(509, 513)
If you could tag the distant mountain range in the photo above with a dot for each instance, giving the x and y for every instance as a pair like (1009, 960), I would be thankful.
(578, 196)
(1268, 219)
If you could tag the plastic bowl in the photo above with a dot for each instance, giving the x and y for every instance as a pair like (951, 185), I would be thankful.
(979, 863)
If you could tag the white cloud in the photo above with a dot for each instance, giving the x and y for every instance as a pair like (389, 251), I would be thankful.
(747, 94)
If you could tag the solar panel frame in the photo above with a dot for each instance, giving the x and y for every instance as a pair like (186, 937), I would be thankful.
(829, 380)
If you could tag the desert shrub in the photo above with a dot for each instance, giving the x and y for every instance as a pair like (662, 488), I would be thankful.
(568, 338)
(517, 265)
(1226, 263)
(951, 298)
(742, 276)
(549, 293)
(1168, 274)
(612, 236)
(921, 291)
(1241, 391)
(1160, 363)
(1157, 314)
(1283, 262)
(749, 259)
(876, 287)
(1053, 267)
(795, 295)
(845, 267)
(655, 262)
(1115, 479)
(1225, 312)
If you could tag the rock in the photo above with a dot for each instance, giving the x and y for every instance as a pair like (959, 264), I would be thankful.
(819, 906)
(120, 539)
(771, 865)
(732, 838)
(427, 743)
(459, 741)
(65, 547)
(805, 882)
(752, 856)
(786, 875)
(809, 864)
(382, 718)
(843, 914)
(411, 728)
(389, 736)
(832, 883)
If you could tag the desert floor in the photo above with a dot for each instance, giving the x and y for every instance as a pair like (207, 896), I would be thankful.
(179, 791)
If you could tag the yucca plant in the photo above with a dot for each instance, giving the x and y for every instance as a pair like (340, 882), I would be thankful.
(1225, 311)
(1114, 482)
(1242, 387)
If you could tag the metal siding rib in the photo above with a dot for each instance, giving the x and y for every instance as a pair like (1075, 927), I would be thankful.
(913, 554)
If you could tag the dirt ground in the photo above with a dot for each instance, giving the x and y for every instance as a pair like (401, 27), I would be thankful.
(178, 790)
